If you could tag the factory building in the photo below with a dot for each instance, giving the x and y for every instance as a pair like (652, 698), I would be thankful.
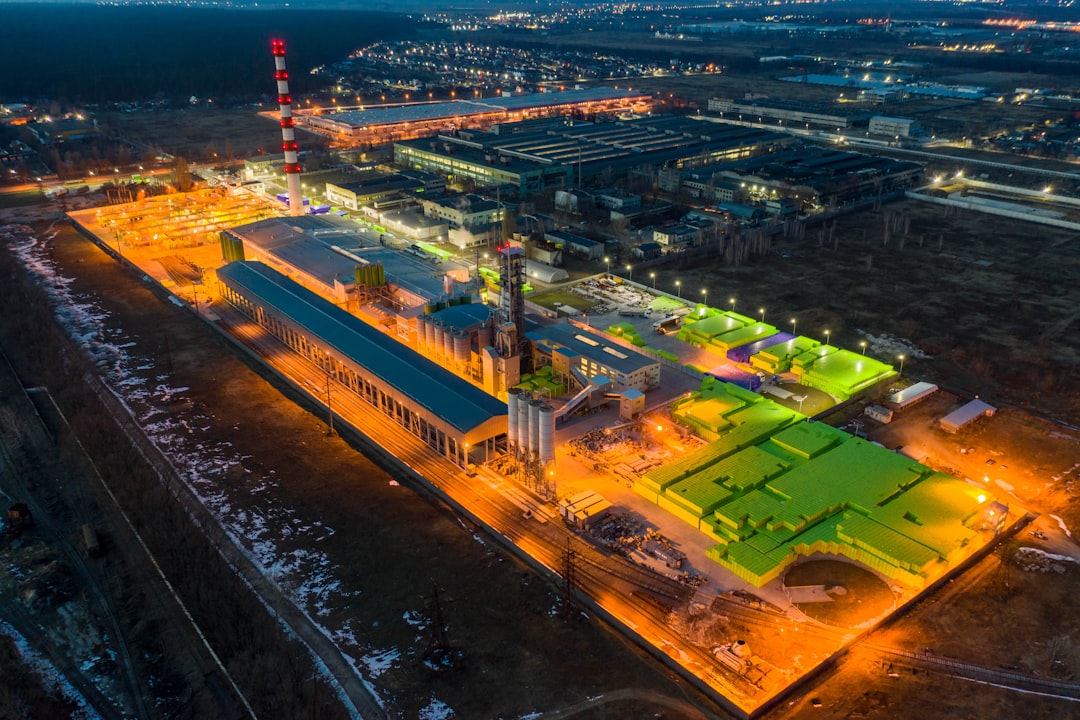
(450, 415)
(535, 157)
(894, 126)
(788, 112)
(809, 175)
(568, 348)
(384, 124)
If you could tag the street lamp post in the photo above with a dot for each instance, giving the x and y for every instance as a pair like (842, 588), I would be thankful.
(762, 311)
(792, 326)
(653, 276)
(630, 273)
(705, 294)
(608, 261)
(195, 293)
(732, 301)
(862, 344)
(827, 333)
(678, 288)
(901, 365)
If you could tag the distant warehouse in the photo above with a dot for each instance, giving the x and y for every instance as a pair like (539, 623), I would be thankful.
(445, 411)
(388, 123)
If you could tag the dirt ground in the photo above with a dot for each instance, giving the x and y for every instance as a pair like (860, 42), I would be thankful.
(992, 301)
(201, 134)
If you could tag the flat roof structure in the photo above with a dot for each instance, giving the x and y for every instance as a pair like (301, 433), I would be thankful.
(720, 332)
(597, 355)
(839, 372)
(450, 414)
(292, 245)
(413, 118)
(318, 249)
(770, 490)
(966, 414)
(564, 150)
(912, 394)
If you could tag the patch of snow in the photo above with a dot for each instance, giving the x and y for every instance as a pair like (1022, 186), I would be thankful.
(1048, 556)
(247, 510)
(436, 710)
(381, 661)
(889, 346)
(1062, 525)
(49, 675)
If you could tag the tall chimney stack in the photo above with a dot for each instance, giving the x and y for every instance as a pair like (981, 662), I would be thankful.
(288, 135)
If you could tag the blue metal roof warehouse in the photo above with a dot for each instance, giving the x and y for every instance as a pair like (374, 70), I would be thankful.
(444, 410)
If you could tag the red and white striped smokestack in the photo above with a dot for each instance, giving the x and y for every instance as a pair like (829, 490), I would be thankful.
(288, 135)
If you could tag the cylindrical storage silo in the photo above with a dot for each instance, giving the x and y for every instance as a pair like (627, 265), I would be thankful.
(547, 434)
(512, 396)
(484, 337)
(429, 336)
(461, 348)
(523, 423)
(534, 426)
(443, 341)
(421, 334)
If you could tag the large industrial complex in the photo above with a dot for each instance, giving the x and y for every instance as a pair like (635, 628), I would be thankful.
(582, 321)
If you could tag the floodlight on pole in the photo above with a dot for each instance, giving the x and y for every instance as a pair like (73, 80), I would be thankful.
(732, 301)
(653, 276)
(705, 293)
(762, 311)
(827, 333)
(678, 288)
(792, 326)
(901, 364)
(862, 344)
(630, 273)
(608, 261)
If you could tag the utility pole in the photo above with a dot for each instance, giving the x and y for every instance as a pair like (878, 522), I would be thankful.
(439, 654)
(567, 604)
(329, 410)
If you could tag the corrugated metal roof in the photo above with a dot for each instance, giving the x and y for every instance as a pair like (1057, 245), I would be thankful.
(427, 384)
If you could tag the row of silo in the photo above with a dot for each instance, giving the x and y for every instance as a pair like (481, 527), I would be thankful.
(530, 426)
(438, 340)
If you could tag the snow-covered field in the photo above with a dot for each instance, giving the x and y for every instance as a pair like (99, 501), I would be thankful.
(251, 515)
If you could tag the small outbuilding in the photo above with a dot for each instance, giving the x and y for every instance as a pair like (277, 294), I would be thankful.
(966, 414)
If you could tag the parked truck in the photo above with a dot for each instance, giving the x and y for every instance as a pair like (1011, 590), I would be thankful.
(90, 541)
(630, 311)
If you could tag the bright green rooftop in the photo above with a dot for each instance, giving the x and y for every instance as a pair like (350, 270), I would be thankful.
(773, 486)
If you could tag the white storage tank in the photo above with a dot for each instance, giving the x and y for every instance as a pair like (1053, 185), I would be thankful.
(461, 348)
(429, 336)
(512, 396)
(523, 423)
(534, 426)
(547, 434)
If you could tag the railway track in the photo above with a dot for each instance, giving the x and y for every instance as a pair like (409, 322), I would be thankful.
(608, 581)
(93, 580)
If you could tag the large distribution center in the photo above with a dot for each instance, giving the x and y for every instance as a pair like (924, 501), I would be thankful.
(389, 123)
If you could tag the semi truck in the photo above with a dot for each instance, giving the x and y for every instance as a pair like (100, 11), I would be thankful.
(630, 311)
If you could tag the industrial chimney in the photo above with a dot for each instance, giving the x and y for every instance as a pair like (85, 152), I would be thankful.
(288, 135)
